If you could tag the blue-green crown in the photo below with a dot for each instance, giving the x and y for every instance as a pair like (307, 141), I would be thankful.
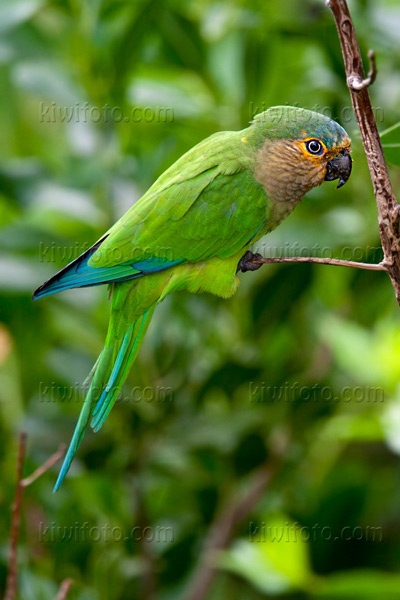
(290, 122)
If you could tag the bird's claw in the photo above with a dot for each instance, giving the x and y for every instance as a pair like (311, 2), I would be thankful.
(248, 262)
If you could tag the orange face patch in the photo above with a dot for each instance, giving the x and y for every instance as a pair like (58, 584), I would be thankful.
(302, 145)
(325, 153)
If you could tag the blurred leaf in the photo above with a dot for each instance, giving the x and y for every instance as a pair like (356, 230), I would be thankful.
(54, 206)
(49, 82)
(16, 12)
(275, 560)
(356, 427)
(176, 94)
(390, 420)
(370, 356)
(366, 585)
(21, 275)
(391, 144)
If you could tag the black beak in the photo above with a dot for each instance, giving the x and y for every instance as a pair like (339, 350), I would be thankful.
(339, 168)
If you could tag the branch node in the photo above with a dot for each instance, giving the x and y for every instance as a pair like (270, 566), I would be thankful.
(385, 265)
(356, 83)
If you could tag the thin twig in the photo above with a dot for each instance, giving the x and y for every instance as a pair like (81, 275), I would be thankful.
(12, 576)
(388, 208)
(64, 589)
(45, 466)
(222, 530)
(323, 261)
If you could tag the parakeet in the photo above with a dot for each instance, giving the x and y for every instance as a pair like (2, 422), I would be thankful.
(192, 229)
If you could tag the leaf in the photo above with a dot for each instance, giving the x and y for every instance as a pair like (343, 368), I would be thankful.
(391, 423)
(360, 427)
(274, 559)
(170, 93)
(50, 203)
(49, 81)
(391, 144)
(20, 274)
(363, 585)
(369, 356)
(14, 13)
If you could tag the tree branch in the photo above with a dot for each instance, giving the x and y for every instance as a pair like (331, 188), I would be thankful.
(54, 458)
(388, 208)
(64, 589)
(12, 576)
(222, 530)
(323, 261)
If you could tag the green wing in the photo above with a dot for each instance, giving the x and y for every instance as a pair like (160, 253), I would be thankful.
(207, 204)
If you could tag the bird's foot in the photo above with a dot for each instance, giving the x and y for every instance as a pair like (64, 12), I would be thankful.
(248, 262)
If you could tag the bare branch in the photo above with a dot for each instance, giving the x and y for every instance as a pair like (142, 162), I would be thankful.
(388, 208)
(12, 576)
(64, 589)
(45, 466)
(222, 530)
(323, 261)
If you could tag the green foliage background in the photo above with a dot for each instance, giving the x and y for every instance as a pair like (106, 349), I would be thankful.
(305, 353)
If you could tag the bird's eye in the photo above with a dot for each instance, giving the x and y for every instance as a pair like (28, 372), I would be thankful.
(314, 147)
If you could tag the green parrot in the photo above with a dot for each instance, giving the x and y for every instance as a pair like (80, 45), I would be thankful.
(191, 231)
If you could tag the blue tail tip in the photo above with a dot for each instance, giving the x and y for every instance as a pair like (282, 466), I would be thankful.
(58, 483)
(63, 472)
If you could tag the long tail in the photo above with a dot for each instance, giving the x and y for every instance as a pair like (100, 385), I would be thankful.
(109, 373)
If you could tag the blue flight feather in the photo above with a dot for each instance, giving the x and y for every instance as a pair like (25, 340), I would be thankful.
(103, 405)
(114, 372)
(76, 440)
(79, 273)
(108, 401)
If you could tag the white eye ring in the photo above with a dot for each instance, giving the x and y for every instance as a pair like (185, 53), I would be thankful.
(314, 147)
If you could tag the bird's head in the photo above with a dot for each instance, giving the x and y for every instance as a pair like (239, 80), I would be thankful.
(299, 150)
